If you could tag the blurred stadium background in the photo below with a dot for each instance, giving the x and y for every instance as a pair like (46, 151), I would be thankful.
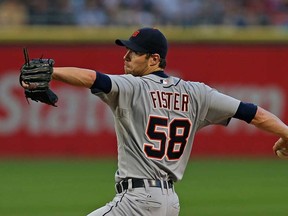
(61, 161)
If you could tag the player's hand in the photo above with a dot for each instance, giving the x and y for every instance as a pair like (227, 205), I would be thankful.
(29, 86)
(280, 148)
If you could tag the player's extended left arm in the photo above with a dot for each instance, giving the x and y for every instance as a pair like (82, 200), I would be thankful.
(75, 76)
(82, 77)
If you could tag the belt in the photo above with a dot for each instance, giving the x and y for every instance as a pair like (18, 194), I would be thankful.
(138, 183)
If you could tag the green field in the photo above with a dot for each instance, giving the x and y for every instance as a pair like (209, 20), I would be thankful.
(210, 187)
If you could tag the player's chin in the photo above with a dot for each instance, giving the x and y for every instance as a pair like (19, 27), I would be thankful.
(127, 70)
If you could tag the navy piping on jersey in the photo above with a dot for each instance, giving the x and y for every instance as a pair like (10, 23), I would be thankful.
(246, 112)
(178, 82)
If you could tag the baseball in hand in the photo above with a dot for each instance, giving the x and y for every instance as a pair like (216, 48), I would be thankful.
(282, 153)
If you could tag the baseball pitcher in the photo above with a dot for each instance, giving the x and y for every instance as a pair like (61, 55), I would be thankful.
(156, 117)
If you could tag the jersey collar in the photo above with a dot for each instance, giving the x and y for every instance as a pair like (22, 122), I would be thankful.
(160, 74)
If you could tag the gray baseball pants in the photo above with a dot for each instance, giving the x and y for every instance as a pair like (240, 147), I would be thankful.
(142, 201)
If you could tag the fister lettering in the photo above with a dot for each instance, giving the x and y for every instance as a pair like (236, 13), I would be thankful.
(170, 101)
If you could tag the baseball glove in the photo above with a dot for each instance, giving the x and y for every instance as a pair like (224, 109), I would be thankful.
(37, 73)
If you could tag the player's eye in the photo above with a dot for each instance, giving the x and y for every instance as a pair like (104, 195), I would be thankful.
(138, 53)
(135, 52)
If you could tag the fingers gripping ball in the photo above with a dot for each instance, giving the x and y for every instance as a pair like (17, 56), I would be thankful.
(37, 74)
(281, 148)
(282, 153)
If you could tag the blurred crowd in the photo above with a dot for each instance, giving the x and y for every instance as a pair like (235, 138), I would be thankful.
(144, 12)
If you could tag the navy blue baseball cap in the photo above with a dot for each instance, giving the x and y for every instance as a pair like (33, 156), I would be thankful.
(146, 40)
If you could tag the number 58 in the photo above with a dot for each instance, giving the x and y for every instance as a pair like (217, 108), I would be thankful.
(176, 139)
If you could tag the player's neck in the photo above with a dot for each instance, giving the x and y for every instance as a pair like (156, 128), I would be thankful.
(152, 69)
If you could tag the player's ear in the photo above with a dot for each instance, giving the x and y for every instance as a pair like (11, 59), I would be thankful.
(154, 59)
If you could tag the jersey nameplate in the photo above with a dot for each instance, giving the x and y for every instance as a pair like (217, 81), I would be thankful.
(170, 101)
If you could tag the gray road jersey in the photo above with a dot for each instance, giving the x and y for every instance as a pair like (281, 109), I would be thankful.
(156, 120)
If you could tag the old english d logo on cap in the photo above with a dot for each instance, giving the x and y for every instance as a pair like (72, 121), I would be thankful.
(135, 33)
